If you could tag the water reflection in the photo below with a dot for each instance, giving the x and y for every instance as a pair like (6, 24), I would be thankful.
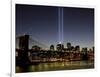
(56, 66)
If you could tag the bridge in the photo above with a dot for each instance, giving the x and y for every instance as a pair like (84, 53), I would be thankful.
(24, 44)
(31, 42)
(23, 59)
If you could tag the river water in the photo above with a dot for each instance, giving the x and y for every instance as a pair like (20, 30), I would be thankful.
(72, 65)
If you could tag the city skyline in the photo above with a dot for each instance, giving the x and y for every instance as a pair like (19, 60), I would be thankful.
(41, 22)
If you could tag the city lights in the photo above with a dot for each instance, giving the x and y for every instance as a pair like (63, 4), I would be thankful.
(58, 38)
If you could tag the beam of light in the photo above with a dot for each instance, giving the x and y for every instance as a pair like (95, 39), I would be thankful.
(60, 25)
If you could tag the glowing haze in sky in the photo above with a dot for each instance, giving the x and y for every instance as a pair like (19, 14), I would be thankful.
(43, 22)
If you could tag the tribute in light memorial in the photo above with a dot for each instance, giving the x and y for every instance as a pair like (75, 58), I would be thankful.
(53, 38)
(60, 24)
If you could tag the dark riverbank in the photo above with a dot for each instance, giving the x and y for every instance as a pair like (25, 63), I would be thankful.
(56, 66)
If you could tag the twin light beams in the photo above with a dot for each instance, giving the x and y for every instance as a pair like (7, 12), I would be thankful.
(60, 25)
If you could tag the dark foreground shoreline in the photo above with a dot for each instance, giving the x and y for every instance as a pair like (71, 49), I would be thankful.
(55, 66)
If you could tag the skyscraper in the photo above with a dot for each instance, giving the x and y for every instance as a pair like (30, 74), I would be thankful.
(60, 47)
(52, 47)
(77, 48)
(69, 45)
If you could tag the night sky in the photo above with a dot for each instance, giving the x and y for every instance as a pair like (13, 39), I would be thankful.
(41, 22)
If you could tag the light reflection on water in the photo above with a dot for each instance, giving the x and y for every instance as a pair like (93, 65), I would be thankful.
(57, 66)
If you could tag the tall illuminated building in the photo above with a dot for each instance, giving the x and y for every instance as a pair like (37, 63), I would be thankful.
(84, 50)
(77, 48)
(52, 47)
(60, 47)
(84, 54)
(68, 45)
